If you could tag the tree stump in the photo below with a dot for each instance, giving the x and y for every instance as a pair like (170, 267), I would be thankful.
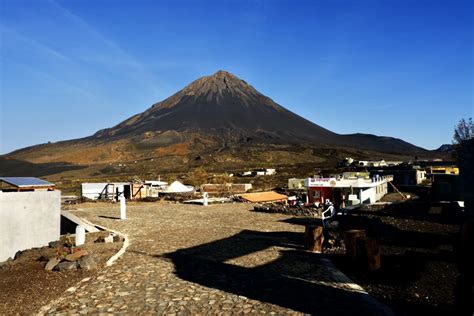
(368, 253)
(350, 240)
(313, 238)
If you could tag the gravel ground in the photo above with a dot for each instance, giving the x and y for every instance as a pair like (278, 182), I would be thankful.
(418, 264)
(25, 286)
(190, 259)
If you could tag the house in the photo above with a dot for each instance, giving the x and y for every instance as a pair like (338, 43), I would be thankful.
(343, 192)
(228, 187)
(378, 163)
(356, 175)
(260, 172)
(264, 172)
(444, 170)
(402, 176)
(106, 190)
(154, 187)
(30, 211)
(296, 184)
(270, 171)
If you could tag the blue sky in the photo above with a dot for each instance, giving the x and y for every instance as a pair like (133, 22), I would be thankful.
(388, 67)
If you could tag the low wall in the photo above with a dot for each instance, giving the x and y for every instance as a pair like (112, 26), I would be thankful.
(28, 220)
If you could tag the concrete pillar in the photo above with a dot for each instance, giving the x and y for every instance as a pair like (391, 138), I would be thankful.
(123, 208)
(205, 199)
(80, 235)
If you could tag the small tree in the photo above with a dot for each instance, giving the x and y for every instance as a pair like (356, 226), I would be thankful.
(463, 131)
(198, 176)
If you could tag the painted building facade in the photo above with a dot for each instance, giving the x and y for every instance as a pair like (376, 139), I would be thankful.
(344, 192)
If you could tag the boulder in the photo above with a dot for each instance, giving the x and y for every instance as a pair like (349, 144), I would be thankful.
(76, 255)
(66, 266)
(53, 262)
(87, 262)
(55, 244)
(4, 265)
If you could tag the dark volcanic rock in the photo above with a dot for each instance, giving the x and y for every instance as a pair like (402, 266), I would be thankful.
(87, 262)
(66, 265)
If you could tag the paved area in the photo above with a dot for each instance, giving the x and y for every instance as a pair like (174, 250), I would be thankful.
(220, 259)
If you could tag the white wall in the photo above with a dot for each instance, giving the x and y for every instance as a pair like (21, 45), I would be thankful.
(93, 190)
(368, 195)
(28, 220)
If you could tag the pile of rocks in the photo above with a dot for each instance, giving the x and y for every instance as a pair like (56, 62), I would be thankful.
(67, 257)
(80, 259)
(288, 210)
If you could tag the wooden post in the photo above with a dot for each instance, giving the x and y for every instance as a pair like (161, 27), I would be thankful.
(373, 255)
(350, 240)
(368, 253)
(313, 238)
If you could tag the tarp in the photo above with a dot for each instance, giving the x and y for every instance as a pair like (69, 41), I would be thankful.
(259, 197)
(178, 187)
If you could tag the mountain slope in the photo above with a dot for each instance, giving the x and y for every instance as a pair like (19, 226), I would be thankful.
(219, 117)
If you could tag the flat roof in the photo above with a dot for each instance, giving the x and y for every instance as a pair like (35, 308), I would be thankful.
(22, 182)
(263, 197)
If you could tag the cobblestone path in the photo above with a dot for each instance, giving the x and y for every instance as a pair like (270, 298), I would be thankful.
(220, 259)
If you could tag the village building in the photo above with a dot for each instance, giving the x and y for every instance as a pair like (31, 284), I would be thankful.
(228, 187)
(402, 176)
(344, 192)
(264, 172)
(154, 187)
(444, 170)
(106, 190)
(29, 214)
(378, 163)
(296, 184)
(130, 190)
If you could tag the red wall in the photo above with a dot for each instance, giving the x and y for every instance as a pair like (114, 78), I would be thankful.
(325, 193)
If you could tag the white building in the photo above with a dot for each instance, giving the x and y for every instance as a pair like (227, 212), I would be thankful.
(106, 190)
(29, 215)
(343, 192)
(296, 183)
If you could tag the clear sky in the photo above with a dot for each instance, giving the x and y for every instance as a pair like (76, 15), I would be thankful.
(388, 67)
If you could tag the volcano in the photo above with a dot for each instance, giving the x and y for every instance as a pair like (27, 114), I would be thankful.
(224, 105)
(218, 118)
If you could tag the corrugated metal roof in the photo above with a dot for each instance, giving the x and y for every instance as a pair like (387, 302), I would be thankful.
(26, 182)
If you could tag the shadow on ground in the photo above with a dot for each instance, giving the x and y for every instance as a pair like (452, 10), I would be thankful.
(294, 279)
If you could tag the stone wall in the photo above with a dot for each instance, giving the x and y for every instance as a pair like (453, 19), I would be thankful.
(28, 220)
